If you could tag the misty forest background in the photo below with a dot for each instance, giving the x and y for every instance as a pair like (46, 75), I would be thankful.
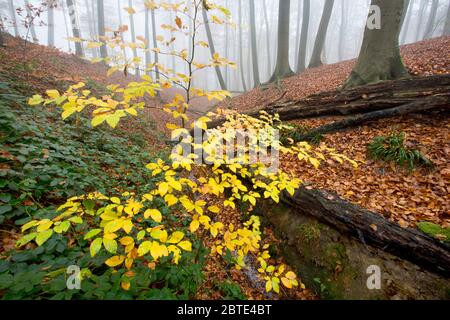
(338, 39)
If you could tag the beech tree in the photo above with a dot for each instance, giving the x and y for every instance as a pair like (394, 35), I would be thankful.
(282, 67)
(301, 64)
(316, 59)
(429, 29)
(255, 62)
(51, 4)
(212, 48)
(75, 28)
(241, 55)
(380, 58)
(446, 31)
(101, 27)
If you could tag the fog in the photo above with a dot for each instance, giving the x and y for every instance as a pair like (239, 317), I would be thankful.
(424, 19)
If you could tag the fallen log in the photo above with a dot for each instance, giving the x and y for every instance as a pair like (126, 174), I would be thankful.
(364, 99)
(421, 105)
(372, 229)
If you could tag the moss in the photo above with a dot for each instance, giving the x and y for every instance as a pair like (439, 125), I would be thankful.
(309, 232)
(435, 231)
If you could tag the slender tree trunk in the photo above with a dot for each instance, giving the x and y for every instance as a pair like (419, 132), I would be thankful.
(405, 28)
(282, 67)
(92, 32)
(2, 29)
(101, 27)
(31, 22)
(147, 39)
(133, 37)
(301, 65)
(69, 44)
(51, 23)
(321, 34)
(380, 58)
(241, 55)
(446, 31)
(269, 54)
(255, 61)
(75, 29)
(431, 20)
(212, 49)
(124, 50)
(344, 18)
(12, 12)
(155, 42)
(422, 10)
(226, 47)
(297, 35)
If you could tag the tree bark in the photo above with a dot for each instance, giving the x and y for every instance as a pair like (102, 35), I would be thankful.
(282, 67)
(212, 49)
(241, 55)
(31, 22)
(147, 39)
(405, 27)
(155, 43)
(69, 45)
(431, 20)
(119, 8)
(12, 12)
(133, 36)
(360, 100)
(321, 34)
(101, 27)
(409, 244)
(269, 55)
(255, 63)
(75, 28)
(380, 58)
(51, 23)
(301, 65)
(344, 18)
(422, 10)
(446, 31)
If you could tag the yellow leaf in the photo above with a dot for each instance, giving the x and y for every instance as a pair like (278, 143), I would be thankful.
(286, 282)
(110, 245)
(185, 245)
(176, 237)
(125, 285)
(53, 94)
(155, 214)
(214, 209)
(195, 224)
(95, 247)
(130, 10)
(114, 261)
(170, 199)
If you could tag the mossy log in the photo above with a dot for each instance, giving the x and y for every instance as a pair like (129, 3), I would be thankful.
(372, 229)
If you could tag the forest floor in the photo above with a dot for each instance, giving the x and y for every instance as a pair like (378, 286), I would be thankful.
(403, 196)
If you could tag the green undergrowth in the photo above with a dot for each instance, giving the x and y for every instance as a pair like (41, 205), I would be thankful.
(392, 148)
(45, 160)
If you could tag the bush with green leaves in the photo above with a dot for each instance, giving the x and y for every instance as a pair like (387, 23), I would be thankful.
(392, 148)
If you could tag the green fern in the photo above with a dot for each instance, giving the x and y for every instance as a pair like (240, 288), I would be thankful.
(392, 149)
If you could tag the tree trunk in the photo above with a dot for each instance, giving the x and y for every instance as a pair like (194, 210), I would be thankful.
(212, 49)
(431, 20)
(12, 12)
(51, 23)
(344, 18)
(92, 32)
(75, 29)
(254, 51)
(380, 58)
(269, 55)
(147, 39)
(348, 218)
(155, 42)
(301, 65)
(374, 97)
(422, 10)
(321, 34)
(31, 22)
(282, 67)
(133, 36)
(101, 27)
(297, 34)
(405, 28)
(446, 31)
(69, 44)
(241, 55)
